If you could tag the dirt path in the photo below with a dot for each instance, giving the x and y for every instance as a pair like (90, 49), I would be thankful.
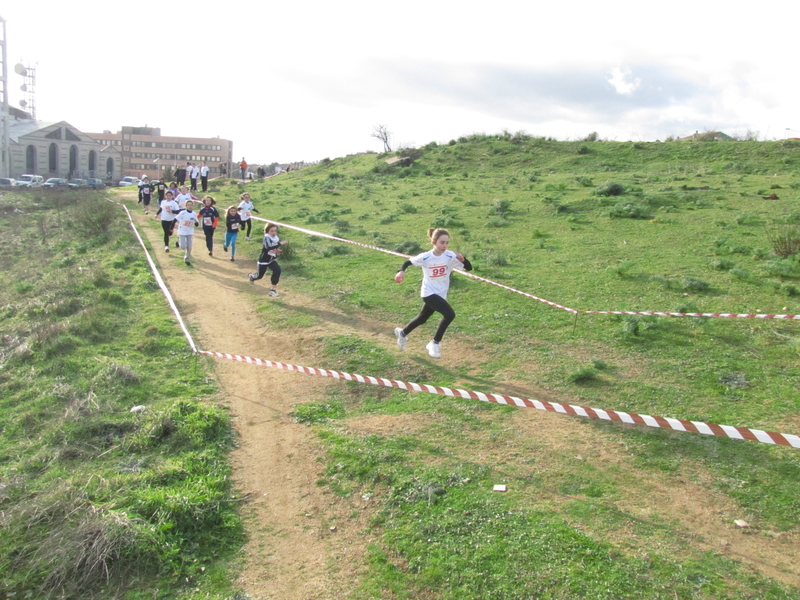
(305, 543)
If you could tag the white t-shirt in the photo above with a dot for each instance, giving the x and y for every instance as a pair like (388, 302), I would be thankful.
(204, 171)
(169, 210)
(195, 172)
(244, 209)
(436, 271)
(186, 221)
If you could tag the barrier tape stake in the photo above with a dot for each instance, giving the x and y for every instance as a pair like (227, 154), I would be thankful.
(575, 324)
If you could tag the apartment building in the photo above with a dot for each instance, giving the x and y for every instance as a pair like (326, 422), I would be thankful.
(144, 151)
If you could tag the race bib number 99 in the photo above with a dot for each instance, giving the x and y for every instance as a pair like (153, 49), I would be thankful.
(438, 271)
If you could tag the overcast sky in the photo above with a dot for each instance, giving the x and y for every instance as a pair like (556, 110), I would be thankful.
(309, 80)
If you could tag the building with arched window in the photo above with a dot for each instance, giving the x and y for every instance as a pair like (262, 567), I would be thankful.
(59, 150)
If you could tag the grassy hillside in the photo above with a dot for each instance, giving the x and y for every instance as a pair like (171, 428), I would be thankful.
(593, 225)
(97, 501)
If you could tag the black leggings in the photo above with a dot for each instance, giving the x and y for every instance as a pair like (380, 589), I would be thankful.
(433, 303)
(167, 226)
(249, 225)
(209, 231)
(276, 271)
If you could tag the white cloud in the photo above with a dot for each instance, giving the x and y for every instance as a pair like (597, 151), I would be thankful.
(619, 79)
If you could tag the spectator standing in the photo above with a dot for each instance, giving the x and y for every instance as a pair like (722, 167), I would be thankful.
(204, 176)
(180, 175)
(243, 167)
(194, 174)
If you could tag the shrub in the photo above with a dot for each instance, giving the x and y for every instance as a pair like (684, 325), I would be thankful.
(408, 208)
(722, 264)
(496, 222)
(738, 273)
(624, 269)
(610, 188)
(408, 247)
(695, 285)
(628, 210)
(785, 241)
(495, 259)
(790, 290)
(388, 219)
(336, 250)
(584, 181)
(95, 216)
(500, 208)
(341, 224)
(584, 375)
(783, 267)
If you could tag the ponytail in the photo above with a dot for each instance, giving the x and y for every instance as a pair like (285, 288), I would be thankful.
(435, 234)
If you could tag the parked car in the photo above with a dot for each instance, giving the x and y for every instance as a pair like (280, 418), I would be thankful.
(95, 184)
(129, 180)
(77, 183)
(56, 182)
(29, 181)
(6, 183)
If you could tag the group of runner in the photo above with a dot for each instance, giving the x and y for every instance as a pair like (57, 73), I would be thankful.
(178, 215)
(177, 208)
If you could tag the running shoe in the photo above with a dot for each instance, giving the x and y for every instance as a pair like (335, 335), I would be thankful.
(251, 277)
(224, 248)
(273, 292)
(433, 349)
(166, 248)
(210, 253)
(231, 259)
(187, 261)
(401, 338)
(247, 239)
(177, 244)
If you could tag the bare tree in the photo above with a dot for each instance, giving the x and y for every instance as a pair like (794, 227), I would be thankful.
(381, 132)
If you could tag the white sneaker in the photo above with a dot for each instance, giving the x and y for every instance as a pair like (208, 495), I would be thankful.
(433, 349)
(401, 338)
(251, 277)
(273, 292)
(166, 248)
(247, 238)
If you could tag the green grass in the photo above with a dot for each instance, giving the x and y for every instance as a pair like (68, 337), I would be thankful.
(98, 501)
(685, 230)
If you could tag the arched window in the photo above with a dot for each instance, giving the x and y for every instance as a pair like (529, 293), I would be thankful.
(52, 156)
(92, 162)
(30, 160)
(110, 168)
(73, 160)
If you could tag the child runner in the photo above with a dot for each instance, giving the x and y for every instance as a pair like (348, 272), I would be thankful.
(184, 196)
(210, 217)
(145, 192)
(245, 209)
(437, 264)
(169, 210)
(173, 187)
(181, 199)
(269, 251)
(161, 188)
(233, 223)
(187, 221)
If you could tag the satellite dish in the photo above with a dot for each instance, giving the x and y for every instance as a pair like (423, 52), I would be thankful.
(20, 69)
(23, 103)
(24, 87)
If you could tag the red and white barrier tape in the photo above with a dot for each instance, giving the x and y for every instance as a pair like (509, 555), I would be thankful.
(739, 433)
(652, 313)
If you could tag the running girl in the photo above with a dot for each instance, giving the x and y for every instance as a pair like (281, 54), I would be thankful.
(161, 189)
(245, 209)
(269, 252)
(146, 193)
(168, 211)
(437, 265)
(233, 223)
(184, 196)
(210, 218)
(187, 221)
